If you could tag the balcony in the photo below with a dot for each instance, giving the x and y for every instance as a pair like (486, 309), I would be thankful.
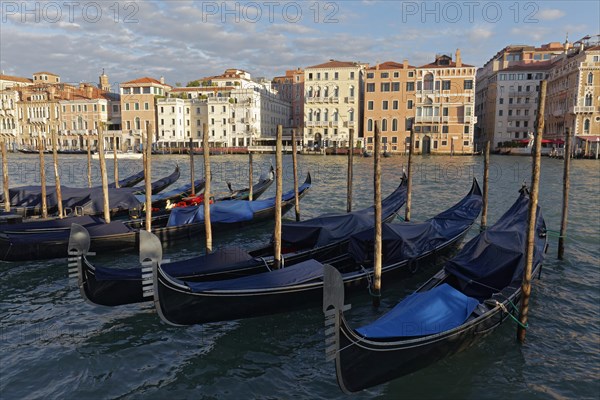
(231, 120)
(350, 99)
(516, 93)
(334, 99)
(515, 129)
(334, 124)
(38, 120)
(311, 123)
(583, 109)
(428, 118)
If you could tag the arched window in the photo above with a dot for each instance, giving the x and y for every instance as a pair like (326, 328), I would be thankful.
(310, 91)
(351, 115)
(588, 100)
(428, 82)
(590, 78)
(326, 115)
(335, 115)
(384, 125)
(351, 91)
(370, 125)
(394, 125)
(586, 126)
(310, 115)
(137, 123)
(336, 91)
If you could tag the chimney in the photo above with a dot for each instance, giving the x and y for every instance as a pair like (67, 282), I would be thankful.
(89, 91)
(162, 80)
(405, 63)
(458, 59)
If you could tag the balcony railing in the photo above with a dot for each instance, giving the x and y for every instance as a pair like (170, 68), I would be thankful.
(38, 120)
(428, 118)
(583, 109)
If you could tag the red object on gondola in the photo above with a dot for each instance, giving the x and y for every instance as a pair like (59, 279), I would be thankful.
(193, 201)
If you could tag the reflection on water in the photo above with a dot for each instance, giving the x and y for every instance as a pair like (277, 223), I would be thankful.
(53, 345)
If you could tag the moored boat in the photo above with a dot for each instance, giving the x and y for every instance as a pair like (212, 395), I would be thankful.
(406, 246)
(472, 295)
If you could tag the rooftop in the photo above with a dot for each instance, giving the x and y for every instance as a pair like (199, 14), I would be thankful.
(336, 64)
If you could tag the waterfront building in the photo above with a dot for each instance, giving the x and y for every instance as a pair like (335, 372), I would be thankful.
(238, 110)
(333, 103)
(501, 89)
(390, 100)
(9, 81)
(573, 95)
(38, 113)
(444, 106)
(291, 89)
(138, 108)
(9, 116)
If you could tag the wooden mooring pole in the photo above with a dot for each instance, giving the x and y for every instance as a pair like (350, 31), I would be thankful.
(349, 177)
(5, 177)
(103, 175)
(409, 176)
(533, 202)
(250, 173)
(43, 175)
(295, 171)
(486, 176)
(193, 190)
(115, 160)
(376, 291)
(57, 176)
(148, 168)
(89, 160)
(278, 193)
(566, 187)
(206, 156)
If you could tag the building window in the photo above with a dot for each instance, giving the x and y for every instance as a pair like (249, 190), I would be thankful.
(395, 105)
(396, 74)
(370, 105)
(445, 85)
(336, 75)
(395, 86)
(501, 100)
(466, 143)
(466, 129)
(352, 75)
(586, 125)
(385, 75)
(410, 86)
(370, 87)
(444, 128)
(394, 125)
(370, 75)
(590, 78)
(468, 84)
(409, 105)
(411, 74)
(370, 125)
(428, 82)
(126, 106)
(136, 106)
(384, 105)
(435, 144)
(445, 111)
(588, 100)
(385, 87)
(384, 125)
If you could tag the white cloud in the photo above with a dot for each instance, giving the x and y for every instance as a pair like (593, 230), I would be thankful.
(549, 14)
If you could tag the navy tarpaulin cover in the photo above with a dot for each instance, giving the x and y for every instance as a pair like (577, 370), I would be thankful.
(295, 275)
(404, 241)
(91, 199)
(332, 228)
(95, 230)
(227, 212)
(496, 258)
(427, 313)
(218, 261)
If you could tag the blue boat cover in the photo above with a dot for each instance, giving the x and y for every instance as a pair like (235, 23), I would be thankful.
(331, 228)
(404, 241)
(427, 313)
(295, 275)
(227, 212)
(496, 258)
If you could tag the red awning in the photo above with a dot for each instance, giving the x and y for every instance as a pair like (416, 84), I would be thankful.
(547, 141)
(589, 138)
(526, 141)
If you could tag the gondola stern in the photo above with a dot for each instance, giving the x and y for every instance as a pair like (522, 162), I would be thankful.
(78, 246)
(475, 188)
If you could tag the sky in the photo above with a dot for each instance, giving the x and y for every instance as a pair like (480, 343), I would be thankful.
(184, 40)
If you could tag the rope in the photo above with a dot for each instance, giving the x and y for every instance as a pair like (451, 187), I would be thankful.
(265, 262)
(369, 282)
(503, 307)
(556, 234)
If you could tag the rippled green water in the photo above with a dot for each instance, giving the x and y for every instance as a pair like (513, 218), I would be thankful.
(54, 345)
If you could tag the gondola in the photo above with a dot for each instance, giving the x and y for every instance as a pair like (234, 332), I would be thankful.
(471, 296)
(406, 246)
(129, 181)
(49, 239)
(116, 287)
(26, 200)
(111, 286)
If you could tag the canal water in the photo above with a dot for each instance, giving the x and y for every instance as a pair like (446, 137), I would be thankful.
(54, 345)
